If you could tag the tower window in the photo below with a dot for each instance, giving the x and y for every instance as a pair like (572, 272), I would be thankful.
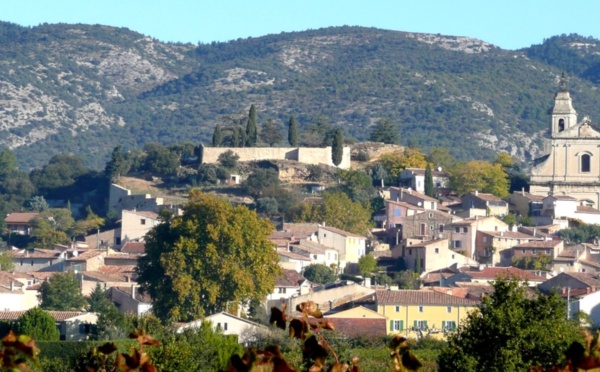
(561, 125)
(585, 163)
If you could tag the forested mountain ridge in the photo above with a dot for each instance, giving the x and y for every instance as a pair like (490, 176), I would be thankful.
(85, 89)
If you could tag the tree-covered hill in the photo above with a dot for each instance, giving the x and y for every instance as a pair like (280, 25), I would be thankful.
(87, 88)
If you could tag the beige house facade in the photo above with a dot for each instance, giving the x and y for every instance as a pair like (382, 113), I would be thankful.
(571, 163)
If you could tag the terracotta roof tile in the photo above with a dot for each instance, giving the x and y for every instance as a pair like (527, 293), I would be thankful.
(539, 244)
(420, 297)
(134, 247)
(289, 278)
(487, 197)
(494, 272)
(359, 327)
(20, 217)
(586, 209)
(57, 315)
(341, 232)
(142, 297)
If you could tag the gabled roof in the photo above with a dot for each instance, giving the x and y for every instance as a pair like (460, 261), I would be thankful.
(20, 217)
(134, 247)
(529, 196)
(141, 297)
(341, 232)
(36, 253)
(148, 214)
(293, 256)
(289, 278)
(57, 315)
(561, 197)
(510, 234)
(487, 197)
(587, 210)
(249, 322)
(589, 279)
(420, 297)
(503, 272)
(413, 193)
(539, 244)
(86, 255)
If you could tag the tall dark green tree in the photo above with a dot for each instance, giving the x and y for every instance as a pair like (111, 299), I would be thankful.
(385, 131)
(217, 138)
(428, 181)
(337, 147)
(293, 131)
(117, 166)
(511, 331)
(251, 129)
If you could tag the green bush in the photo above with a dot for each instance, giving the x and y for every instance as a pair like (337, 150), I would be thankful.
(57, 354)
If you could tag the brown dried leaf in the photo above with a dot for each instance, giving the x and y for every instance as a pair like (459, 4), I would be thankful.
(396, 342)
(338, 367)
(278, 317)
(281, 365)
(298, 329)
(310, 308)
(314, 350)
(410, 361)
(108, 348)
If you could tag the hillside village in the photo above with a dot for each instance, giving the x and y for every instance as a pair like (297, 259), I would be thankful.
(435, 255)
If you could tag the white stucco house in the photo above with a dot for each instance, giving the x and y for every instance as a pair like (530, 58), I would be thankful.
(245, 329)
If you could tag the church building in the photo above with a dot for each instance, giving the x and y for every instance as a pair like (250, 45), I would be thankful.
(571, 165)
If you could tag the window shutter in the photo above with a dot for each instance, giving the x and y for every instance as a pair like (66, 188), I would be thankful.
(443, 325)
(415, 325)
(402, 325)
(453, 326)
(426, 325)
(391, 325)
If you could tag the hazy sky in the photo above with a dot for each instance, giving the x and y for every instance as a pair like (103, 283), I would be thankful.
(510, 24)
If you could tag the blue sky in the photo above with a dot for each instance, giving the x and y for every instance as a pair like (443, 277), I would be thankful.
(510, 24)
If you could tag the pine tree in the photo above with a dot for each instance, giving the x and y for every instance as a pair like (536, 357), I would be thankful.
(337, 147)
(271, 133)
(293, 132)
(385, 131)
(217, 139)
(251, 132)
(428, 181)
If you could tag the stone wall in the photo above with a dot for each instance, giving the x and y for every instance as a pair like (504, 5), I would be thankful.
(306, 155)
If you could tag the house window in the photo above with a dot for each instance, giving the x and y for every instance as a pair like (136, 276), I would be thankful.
(314, 256)
(421, 308)
(21, 263)
(397, 212)
(410, 252)
(143, 221)
(423, 229)
(585, 163)
(430, 215)
(421, 324)
(523, 251)
(448, 309)
(465, 229)
(397, 309)
(561, 125)
(485, 239)
(452, 256)
(547, 251)
(281, 290)
(31, 262)
(437, 250)
(457, 244)
(84, 329)
(224, 326)
(457, 229)
(448, 325)
(396, 325)
(324, 235)
(431, 227)
(441, 227)
(118, 240)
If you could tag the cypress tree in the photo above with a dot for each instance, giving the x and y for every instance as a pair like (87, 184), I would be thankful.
(418, 262)
(337, 147)
(293, 132)
(251, 132)
(428, 181)
(217, 139)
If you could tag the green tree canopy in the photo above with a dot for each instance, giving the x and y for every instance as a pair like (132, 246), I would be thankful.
(271, 134)
(62, 293)
(6, 262)
(428, 181)
(38, 324)
(337, 210)
(260, 180)
(117, 166)
(357, 184)
(98, 301)
(510, 331)
(213, 254)
(319, 273)
(160, 161)
(366, 265)
(217, 138)
(478, 175)
(229, 159)
(385, 131)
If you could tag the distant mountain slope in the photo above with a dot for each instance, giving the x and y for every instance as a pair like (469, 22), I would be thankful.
(85, 89)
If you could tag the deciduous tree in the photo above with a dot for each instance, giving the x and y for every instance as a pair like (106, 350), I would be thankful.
(478, 175)
(62, 293)
(213, 254)
(271, 134)
(510, 331)
(366, 265)
(38, 324)
(319, 273)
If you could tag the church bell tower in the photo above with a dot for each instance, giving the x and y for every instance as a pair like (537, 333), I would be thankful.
(564, 115)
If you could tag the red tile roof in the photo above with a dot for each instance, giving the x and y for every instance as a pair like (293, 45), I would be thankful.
(142, 297)
(57, 315)
(148, 214)
(494, 272)
(20, 217)
(134, 247)
(539, 244)
(341, 232)
(358, 327)
(86, 255)
(289, 278)
(586, 209)
(420, 297)
(487, 197)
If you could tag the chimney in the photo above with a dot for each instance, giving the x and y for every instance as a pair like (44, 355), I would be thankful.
(476, 192)
(534, 231)
(523, 190)
(12, 285)
(133, 291)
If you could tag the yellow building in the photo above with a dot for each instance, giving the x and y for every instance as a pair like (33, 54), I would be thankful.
(413, 311)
